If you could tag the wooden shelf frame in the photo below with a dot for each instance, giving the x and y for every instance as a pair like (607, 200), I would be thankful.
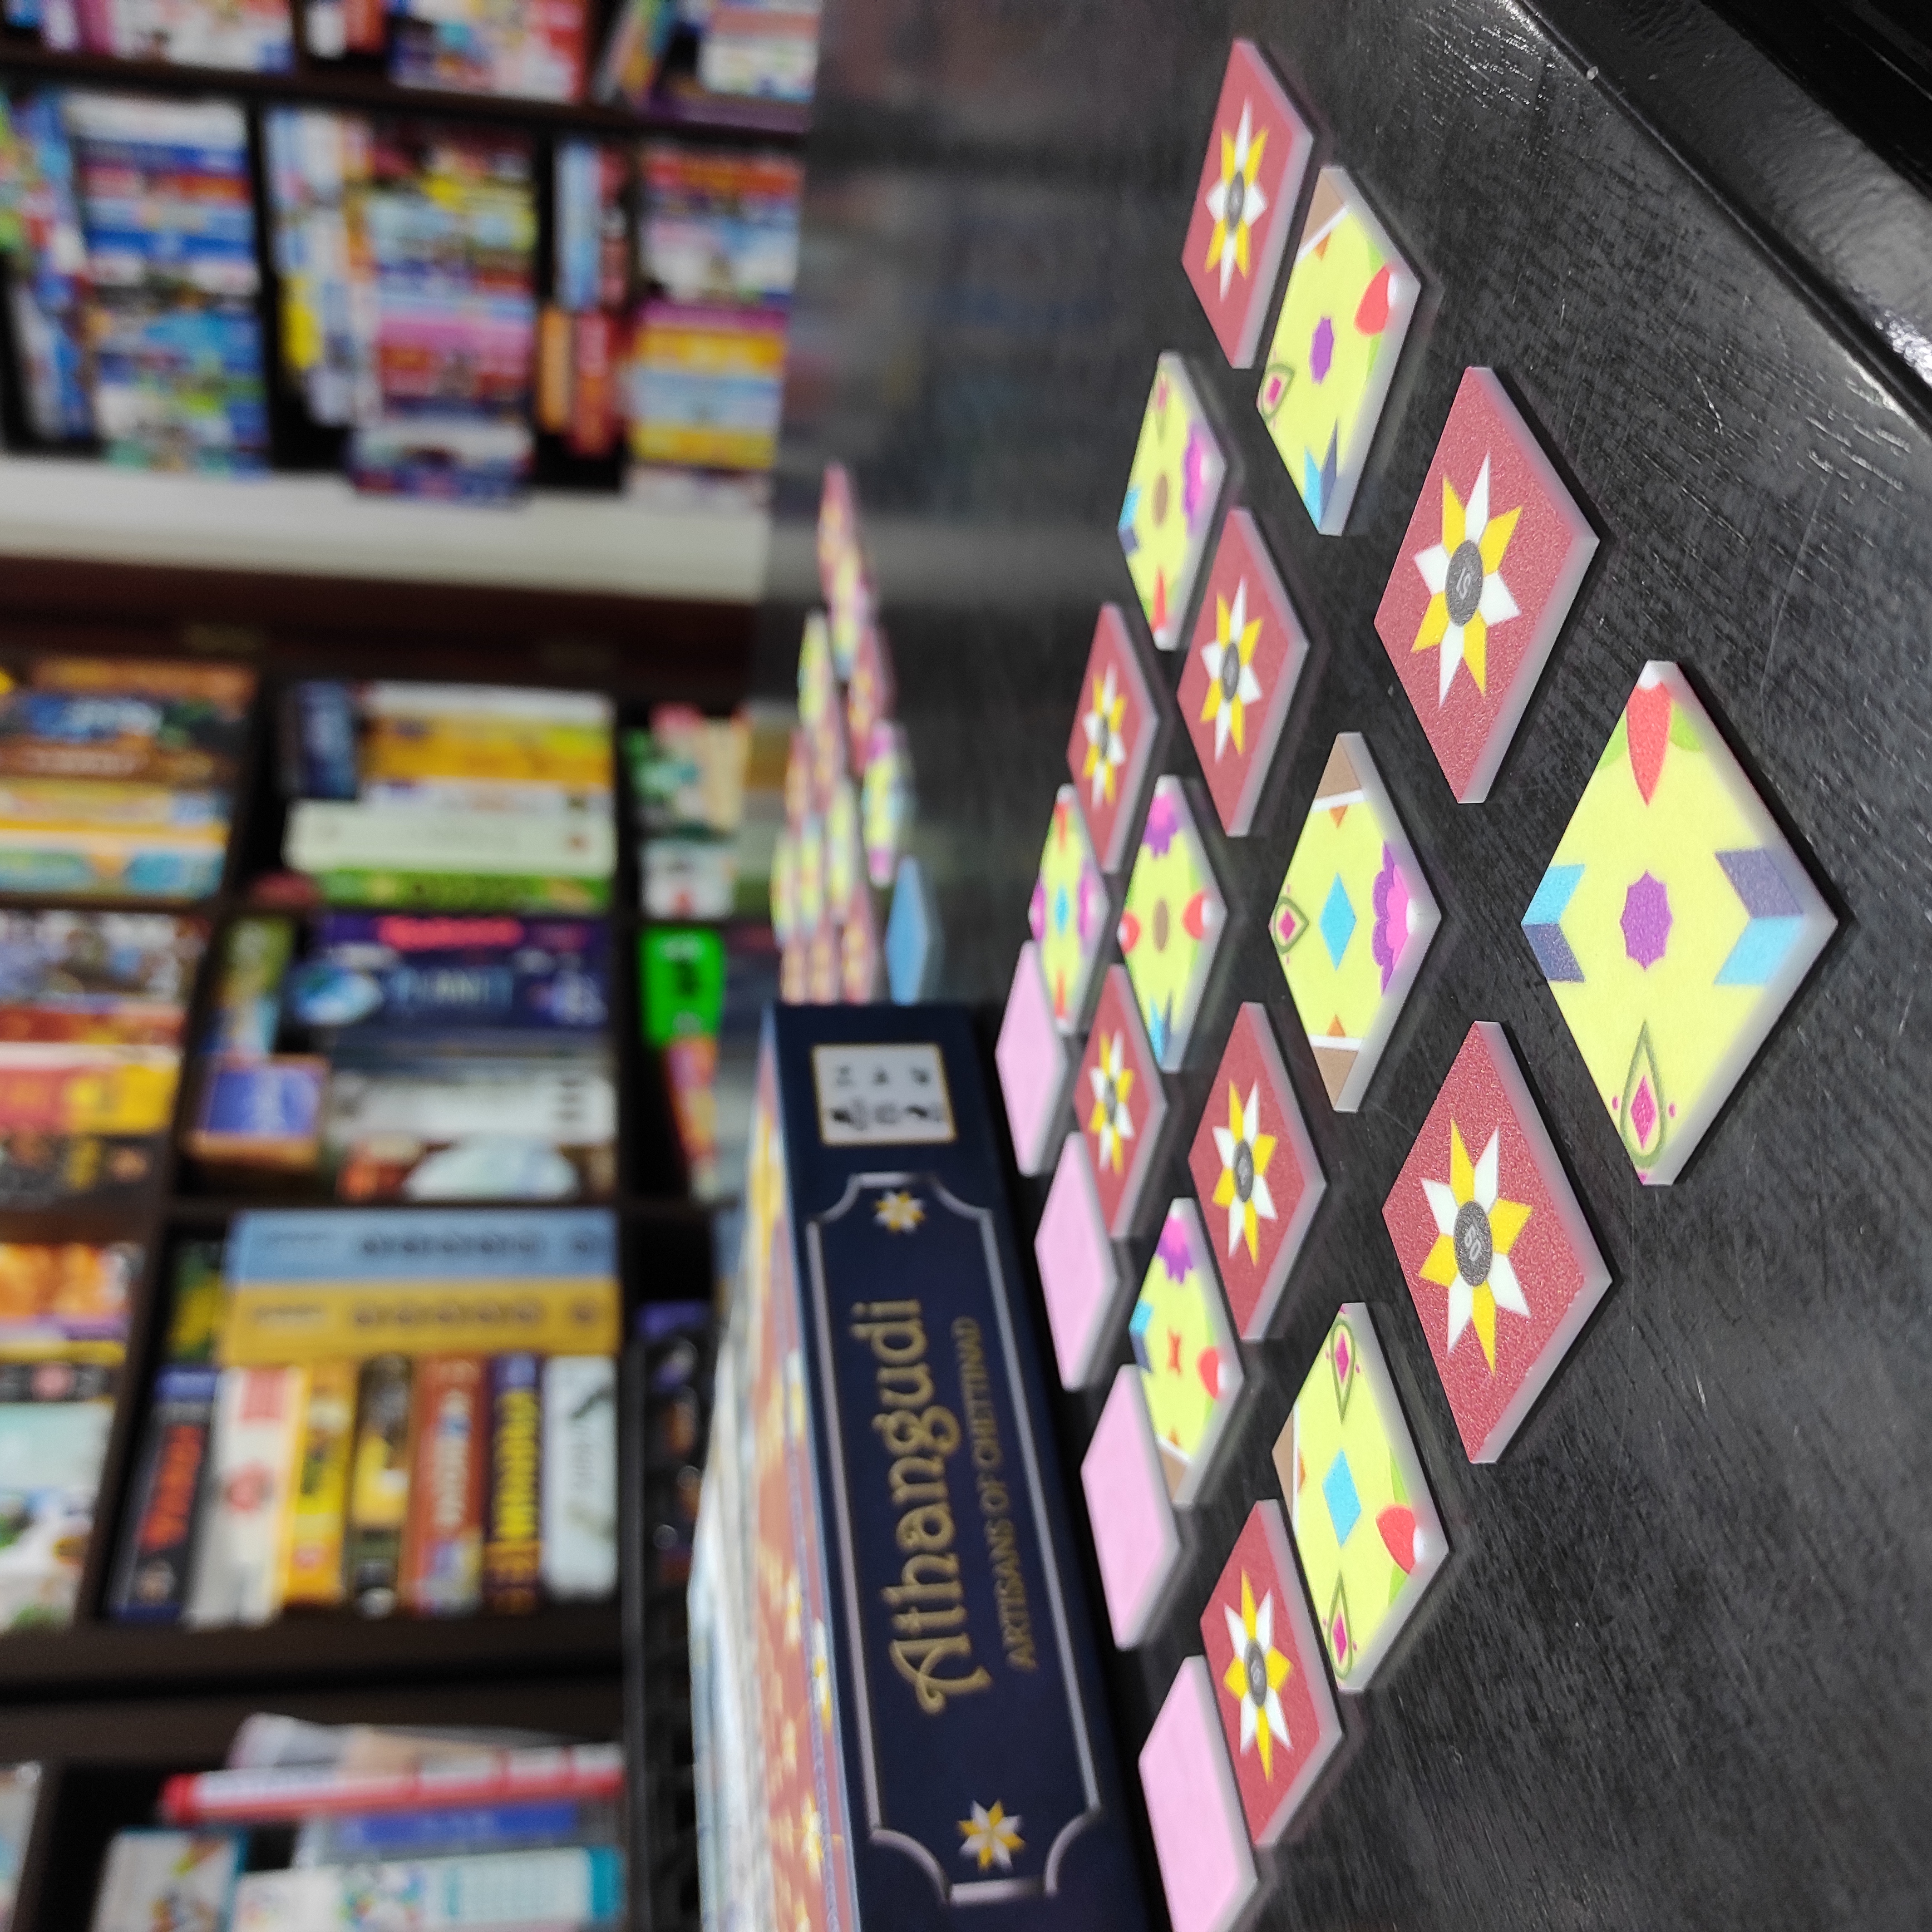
(665, 1251)
(348, 85)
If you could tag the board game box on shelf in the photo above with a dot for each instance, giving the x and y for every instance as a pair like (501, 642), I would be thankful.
(898, 1710)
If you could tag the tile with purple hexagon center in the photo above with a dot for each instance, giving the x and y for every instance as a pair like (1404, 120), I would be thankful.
(1673, 924)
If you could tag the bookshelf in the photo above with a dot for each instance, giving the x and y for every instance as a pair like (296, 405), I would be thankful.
(80, 509)
(682, 109)
(108, 1707)
(579, 523)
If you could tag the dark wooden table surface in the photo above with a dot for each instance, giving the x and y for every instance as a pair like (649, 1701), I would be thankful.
(1677, 1674)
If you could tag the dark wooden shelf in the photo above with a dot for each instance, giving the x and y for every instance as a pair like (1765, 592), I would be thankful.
(179, 1730)
(311, 1650)
(214, 1211)
(325, 84)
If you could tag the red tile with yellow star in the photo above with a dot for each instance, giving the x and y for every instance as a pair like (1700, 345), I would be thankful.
(1255, 1170)
(1493, 557)
(1112, 743)
(1271, 1686)
(1118, 1103)
(1250, 181)
(1243, 664)
(1499, 1258)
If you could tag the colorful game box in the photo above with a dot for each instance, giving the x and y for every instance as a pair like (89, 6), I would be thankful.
(887, 1611)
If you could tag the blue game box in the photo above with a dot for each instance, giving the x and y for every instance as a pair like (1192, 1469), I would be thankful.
(900, 1723)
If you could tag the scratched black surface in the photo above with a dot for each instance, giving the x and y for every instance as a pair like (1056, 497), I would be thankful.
(1676, 1673)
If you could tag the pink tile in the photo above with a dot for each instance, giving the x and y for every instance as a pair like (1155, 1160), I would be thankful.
(1077, 1270)
(1032, 1059)
(1207, 1868)
(1135, 1539)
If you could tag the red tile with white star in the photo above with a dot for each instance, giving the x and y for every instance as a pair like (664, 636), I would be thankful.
(1271, 1687)
(1118, 1104)
(1250, 180)
(1485, 577)
(1243, 664)
(872, 694)
(831, 758)
(1112, 744)
(1255, 1170)
(838, 525)
(1497, 1256)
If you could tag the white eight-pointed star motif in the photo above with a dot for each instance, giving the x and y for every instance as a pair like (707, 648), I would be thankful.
(1465, 572)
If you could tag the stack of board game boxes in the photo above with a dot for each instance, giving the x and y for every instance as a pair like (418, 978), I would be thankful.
(117, 779)
(310, 1828)
(380, 1409)
(136, 312)
(63, 1338)
(436, 1056)
(708, 797)
(93, 1007)
(437, 797)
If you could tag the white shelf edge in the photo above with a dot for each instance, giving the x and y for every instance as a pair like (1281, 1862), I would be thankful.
(87, 512)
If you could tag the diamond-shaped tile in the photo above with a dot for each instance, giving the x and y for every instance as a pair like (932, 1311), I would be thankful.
(1171, 923)
(1277, 1711)
(818, 689)
(1118, 1103)
(798, 778)
(1255, 1169)
(838, 525)
(1136, 1541)
(914, 943)
(1190, 1368)
(1485, 577)
(1257, 155)
(1246, 654)
(843, 574)
(1497, 1254)
(1194, 1809)
(870, 695)
(1068, 914)
(1031, 1057)
(843, 864)
(830, 755)
(1079, 1277)
(859, 949)
(784, 888)
(821, 965)
(808, 844)
(1336, 343)
(885, 801)
(1365, 1526)
(1350, 967)
(1113, 738)
(1173, 490)
(1674, 923)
